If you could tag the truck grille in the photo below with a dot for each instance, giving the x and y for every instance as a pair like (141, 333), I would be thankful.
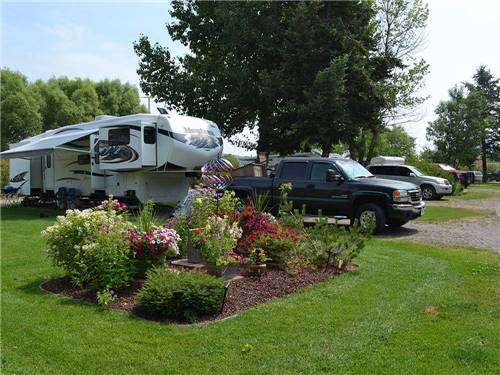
(415, 196)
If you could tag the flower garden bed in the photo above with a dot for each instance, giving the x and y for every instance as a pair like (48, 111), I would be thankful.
(242, 294)
(124, 262)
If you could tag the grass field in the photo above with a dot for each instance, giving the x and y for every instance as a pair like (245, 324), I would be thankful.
(489, 186)
(409, 308)
(472, 194)
(436, 214)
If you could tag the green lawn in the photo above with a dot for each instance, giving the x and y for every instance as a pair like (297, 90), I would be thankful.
(409, 309)
(435, 214)
(472, 194)
(490, 185)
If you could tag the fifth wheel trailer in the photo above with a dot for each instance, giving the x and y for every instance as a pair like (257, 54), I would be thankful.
(137, 157)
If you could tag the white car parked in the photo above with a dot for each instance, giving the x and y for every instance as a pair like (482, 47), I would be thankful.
(393, 168)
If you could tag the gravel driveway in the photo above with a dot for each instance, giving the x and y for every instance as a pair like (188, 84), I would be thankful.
(483, 232)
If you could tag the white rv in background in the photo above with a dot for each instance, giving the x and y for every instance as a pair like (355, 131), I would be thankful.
(141, 156)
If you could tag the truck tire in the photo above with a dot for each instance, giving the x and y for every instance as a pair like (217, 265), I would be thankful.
(371, 210)
(428, 192)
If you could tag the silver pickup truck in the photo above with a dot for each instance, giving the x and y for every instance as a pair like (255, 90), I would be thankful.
(432, 187)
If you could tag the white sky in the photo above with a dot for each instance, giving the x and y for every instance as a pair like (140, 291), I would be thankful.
(94, 40)
(461, 35)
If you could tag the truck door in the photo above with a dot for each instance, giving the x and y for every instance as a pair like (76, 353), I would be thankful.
(294, 172)
(149, 144)
(331, 197)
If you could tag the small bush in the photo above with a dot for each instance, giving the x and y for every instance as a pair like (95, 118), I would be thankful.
(147, 220)
(322, 237)
(78, 228)
(180, 295)
(4, 172)
(105, 263)
(93, 247)
(181, 225)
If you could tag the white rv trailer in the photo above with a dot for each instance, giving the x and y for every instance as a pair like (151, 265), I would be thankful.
(143, 156)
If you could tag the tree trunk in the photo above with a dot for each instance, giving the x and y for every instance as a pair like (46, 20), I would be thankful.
(483, 159)
(371, 149)
(362, 147)
(352, 151)
(325, 150)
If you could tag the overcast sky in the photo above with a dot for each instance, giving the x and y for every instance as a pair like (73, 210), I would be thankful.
(94, 40)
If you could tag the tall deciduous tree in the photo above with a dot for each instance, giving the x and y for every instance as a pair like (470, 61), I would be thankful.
(489, 87)
(400, 36)
(20, 108)
(307, 73)
(118, 99)
(29, 108)
(456, 132)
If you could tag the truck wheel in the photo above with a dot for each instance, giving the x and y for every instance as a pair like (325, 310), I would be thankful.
(428, 193)
(371, 211)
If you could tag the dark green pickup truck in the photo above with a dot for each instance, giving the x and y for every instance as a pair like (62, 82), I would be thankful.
(338, 187)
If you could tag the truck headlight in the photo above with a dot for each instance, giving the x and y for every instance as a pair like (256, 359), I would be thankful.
(400, 196)
(446, 182)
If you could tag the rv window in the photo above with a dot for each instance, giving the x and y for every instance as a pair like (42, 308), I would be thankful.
(49, 161)
(119, 136)
(83, 159)
(149, 135)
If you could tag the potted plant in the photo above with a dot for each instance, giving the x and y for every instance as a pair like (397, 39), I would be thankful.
(257, 261)
(216, 240)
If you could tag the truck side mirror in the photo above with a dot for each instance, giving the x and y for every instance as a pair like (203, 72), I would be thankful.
(332, 175)
(412, 174)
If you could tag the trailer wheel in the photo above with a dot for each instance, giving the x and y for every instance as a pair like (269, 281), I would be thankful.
(368, 212)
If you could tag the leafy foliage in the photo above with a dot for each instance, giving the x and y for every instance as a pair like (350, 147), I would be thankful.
(305, 73)
(456, 132)
(28, 108)
(92, 246)
(180, 295)
(147, 219)
(180, 224)
(105, 263)
(4, 172)
(20, 109)
(323, 238)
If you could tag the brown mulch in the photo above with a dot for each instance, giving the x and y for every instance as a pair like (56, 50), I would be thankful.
(242, 294)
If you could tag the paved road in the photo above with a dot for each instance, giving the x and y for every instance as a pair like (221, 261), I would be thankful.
(481, 232)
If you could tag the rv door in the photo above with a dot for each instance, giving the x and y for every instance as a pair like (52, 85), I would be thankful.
(149, 142)
(48, 173)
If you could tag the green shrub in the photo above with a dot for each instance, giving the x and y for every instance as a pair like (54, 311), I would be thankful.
(92, 246)
(321, 238)
(280, 250)
(181, 225)
(105, 263)
(147, 219)
(180, 295)
(76, 229)
(4, 172)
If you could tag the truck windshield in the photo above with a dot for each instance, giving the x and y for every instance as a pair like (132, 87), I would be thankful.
(353, 169)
